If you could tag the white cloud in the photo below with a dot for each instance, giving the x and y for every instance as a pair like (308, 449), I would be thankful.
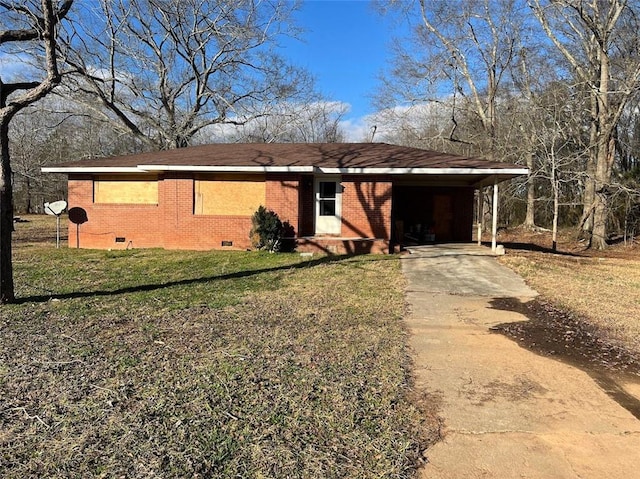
(300, 121)
(359, 129)
(384, 125)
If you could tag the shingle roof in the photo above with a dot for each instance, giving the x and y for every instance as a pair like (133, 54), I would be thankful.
(320, 155)
(310, 158)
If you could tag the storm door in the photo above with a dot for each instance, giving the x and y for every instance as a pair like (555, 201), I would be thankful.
(328, 205)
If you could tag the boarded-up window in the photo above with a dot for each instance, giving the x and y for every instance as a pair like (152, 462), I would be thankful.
(129, 189)
(228, 195)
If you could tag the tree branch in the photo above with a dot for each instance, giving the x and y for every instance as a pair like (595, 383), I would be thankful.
(7, 36)
(7, 89)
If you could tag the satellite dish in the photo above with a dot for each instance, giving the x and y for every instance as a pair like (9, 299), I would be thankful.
(55, 208)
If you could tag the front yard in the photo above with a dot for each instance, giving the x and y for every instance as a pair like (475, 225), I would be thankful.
(150, 363)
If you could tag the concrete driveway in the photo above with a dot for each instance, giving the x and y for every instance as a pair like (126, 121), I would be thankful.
(508, 413)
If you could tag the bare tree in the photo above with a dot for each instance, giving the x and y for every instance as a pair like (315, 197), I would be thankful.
(164, 70)
(468, 46)
(25, 25)
(33, 143)
(560, 149)
(316, 122)
(49, 132)
(423, 125)
(598, 40)
(526, 83)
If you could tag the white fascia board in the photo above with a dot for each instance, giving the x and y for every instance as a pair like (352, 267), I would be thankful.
(229, 169)
(288, 169)
(90, 169)
(426, 171)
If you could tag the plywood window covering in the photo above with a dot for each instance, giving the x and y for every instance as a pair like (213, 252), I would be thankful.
(228, 195)
(129, 189)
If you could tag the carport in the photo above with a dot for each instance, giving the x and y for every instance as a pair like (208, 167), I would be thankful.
(441, 207)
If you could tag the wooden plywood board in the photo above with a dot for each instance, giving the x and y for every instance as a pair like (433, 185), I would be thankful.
(229, 195)
(125, 190)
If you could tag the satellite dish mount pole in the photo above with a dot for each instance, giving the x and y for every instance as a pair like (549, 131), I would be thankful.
(78, 216)
(57, 231)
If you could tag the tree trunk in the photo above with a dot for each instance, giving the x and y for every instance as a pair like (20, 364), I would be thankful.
(589, 195)
(6, 217)
(606, 155)
(589, 198)
(529, 220)
(27, 188)
(606, 149)
(556, 203)
(599, 233)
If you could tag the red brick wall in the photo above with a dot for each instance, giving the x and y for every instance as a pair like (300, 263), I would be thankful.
(283, 197)
(306, 220)
(366, 207)
(171, 224)
(184, 230)
(140, 225)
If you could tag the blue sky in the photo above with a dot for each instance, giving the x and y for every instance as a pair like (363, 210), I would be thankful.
(345, 46)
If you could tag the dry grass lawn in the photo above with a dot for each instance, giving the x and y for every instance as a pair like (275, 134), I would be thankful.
(150, 363)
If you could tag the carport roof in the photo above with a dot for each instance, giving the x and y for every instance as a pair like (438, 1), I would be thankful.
(327, 158)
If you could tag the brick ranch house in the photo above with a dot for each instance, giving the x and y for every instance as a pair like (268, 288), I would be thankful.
(338, 197)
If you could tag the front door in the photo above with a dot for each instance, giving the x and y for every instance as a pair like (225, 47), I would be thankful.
(328, 205)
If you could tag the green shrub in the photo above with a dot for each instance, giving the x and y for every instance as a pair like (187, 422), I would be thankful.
(266, 231)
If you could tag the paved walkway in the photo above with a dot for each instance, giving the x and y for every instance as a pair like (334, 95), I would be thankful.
(508, 413)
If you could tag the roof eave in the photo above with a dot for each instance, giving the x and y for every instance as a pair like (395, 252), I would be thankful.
(90, 169)
(503, 173)
(228, 169)
(427, 171)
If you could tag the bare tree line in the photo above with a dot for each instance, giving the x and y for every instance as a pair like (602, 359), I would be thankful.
(552, 85)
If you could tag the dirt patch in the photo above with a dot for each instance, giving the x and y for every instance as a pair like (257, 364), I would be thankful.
(518, 389)
(568, 243)
(554, 332)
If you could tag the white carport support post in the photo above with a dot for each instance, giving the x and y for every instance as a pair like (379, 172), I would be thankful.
(494, 216)
(480, 214)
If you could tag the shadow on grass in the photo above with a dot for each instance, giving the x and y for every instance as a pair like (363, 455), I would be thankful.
(532, 247)
(186, 282)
